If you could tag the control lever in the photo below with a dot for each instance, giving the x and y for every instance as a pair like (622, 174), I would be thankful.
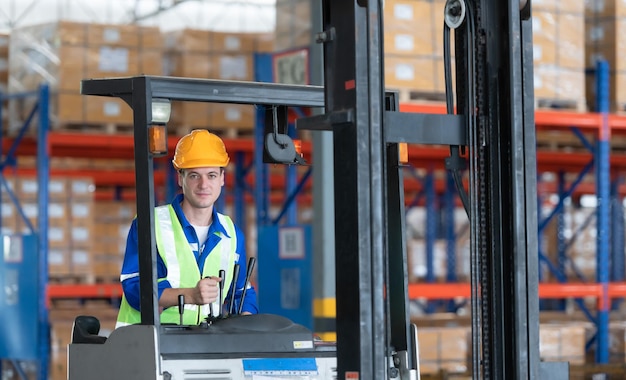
(210, 318)
(220, 313)
(231, 303)
(251, 263)
(181, 307)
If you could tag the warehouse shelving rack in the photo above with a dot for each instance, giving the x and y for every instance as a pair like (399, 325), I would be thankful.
(40, 232)
(61, 144)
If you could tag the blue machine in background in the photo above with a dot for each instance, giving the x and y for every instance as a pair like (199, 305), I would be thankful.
(285, 272)
(19, 298)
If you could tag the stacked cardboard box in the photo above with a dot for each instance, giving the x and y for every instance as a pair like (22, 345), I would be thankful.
(207, 54)
(62, 318)
(563, 342)
(112, 222)
(63, 53)
(70, 221)
(413, 47)
(605, 25)
(8, 210)
(445, 340)
(617, 340)
(417, 249)
(558, 54)
(444, 349)
(413, 44)
(26, 191)
(81, 218)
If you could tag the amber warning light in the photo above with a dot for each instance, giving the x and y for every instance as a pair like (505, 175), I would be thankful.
(403, 153)
(157, 136)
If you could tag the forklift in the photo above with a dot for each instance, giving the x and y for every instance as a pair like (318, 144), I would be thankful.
(490, 130)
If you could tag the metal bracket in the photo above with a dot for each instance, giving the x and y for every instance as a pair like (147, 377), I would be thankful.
(325, 122)
(418, 128)
(400, 127)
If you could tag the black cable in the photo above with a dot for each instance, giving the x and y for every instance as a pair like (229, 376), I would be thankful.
(455, 163)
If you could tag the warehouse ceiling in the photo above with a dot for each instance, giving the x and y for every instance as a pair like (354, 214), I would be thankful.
(222, 15)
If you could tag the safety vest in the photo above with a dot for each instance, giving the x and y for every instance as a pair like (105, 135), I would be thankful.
(182, 268)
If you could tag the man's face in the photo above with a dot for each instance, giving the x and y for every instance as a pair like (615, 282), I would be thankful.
(201, 186)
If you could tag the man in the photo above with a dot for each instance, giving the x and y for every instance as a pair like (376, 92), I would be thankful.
(194, 242)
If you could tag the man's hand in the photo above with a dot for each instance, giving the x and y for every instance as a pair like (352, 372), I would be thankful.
(206, 291)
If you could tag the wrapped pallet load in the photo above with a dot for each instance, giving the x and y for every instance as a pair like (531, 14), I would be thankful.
(62, 53)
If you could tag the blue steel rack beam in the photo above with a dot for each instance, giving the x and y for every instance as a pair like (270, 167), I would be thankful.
(603, 211)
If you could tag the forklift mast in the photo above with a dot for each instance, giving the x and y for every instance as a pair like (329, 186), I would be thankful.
(494, 92)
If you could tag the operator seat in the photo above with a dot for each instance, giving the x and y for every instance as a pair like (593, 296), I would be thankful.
(86, 329)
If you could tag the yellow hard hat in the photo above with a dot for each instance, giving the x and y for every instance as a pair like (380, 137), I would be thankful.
(200, 148)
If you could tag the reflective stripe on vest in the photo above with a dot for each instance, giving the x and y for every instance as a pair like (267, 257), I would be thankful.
(182, 267)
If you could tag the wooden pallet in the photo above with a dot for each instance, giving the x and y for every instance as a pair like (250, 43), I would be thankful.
(412, 95)
(105, 128)
(568, 142)
(227, 133)
(71, 279)
(593, 371)
(578, 105)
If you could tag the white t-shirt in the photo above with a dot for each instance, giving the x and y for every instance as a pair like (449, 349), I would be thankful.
(202, 232)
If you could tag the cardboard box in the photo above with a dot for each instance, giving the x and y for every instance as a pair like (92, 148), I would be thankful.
(444, 348)
(404, 14)
(69, 108)
(400, 42)
(605, 8)
(544, 37)
(603, 41)
(187, 40)
(81, 262)
(562, 342)
(560, 85)
(265, 43)
(412, 73)
(410, 27)
(190, 64)
(115, 211)
(233, 66)
(571, 36)
(81, 212)
(576, 7)
(150, 38)
(111, 61)
(113, 35)
(187, 115)
(102, 110)
(237, 116)
(81, 188)
(4, 45)
(9, 217)
(107, 266)
(232, 42)
(59, 261)
(150, 62)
